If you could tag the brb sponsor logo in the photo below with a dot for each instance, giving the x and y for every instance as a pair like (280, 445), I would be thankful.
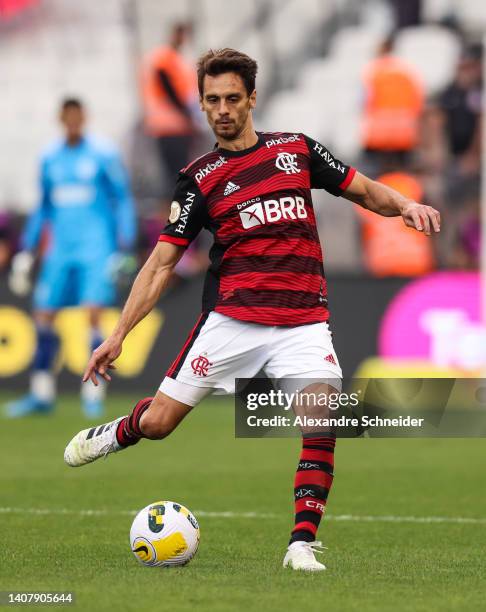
(271, 211)
(283, 140)
(287, 162)
(209, 168)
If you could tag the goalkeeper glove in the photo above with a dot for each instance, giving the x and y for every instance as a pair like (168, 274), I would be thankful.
(19, 280)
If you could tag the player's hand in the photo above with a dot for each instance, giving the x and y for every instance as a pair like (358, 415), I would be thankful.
(423, 218)
(122, 267)
(102, 359)
(19, 278)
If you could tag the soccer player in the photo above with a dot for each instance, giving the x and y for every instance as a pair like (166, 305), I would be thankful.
(87, 207)
(264, 303)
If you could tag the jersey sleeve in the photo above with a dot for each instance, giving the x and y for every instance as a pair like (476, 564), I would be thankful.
(119, 187)
(32, 232)
(187, 213)
(327, 172)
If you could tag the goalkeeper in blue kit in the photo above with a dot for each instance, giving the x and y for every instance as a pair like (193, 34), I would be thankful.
(87, 209)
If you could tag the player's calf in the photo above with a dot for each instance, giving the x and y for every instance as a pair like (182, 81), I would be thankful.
(163, 416)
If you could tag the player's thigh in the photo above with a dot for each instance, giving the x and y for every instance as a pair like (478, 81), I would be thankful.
(303, 362)
(217, 351)
(52, 287)
(163, 416)
(305, 352)
(96, 287)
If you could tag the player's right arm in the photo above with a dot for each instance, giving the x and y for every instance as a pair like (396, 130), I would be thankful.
(187, 218)
(19, 279)
(146, 290)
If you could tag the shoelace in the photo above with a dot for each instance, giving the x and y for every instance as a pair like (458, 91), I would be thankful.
(313, 547)
(106, 450)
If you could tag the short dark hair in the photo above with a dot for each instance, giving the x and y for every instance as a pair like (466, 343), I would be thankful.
(71, 103)
(220, 61)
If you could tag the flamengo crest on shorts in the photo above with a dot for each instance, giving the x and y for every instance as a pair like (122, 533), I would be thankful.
(266, 261)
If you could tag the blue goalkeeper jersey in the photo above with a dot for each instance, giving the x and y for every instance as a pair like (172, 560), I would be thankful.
(85, 201)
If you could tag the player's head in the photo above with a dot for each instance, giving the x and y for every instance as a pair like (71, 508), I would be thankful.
(226, 81)
(180, 33)
(72, 117)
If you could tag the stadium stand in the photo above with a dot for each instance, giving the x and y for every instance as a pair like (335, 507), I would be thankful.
(311, 55)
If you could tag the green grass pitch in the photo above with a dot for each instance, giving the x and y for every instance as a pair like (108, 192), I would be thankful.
(373, 564)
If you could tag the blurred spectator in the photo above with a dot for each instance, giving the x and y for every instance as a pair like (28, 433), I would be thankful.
(406, 12)
(393, 106)
(169, 92)
(466, 236)
(453, 121)
(7, 240)
(389, 247)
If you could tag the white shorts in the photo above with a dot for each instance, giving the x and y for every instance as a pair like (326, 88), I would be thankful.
(220, 349)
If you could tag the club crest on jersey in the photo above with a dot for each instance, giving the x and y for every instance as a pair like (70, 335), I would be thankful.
(200, 365)
(271, 211)
(287, 162)
(175, 212)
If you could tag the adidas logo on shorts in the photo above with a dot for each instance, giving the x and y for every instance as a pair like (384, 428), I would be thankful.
(230, 188)
(330, 358)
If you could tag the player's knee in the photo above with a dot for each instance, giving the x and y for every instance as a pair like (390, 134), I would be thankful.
(157, 423)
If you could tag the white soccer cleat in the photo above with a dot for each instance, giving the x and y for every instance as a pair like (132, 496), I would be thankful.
(300, 556)
(93, 443)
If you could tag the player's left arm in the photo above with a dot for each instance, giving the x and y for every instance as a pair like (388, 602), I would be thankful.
(387, 202)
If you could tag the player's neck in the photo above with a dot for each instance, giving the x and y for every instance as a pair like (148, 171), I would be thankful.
(74, 141)
(248, 138)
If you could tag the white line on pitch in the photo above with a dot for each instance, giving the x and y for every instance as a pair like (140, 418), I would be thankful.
(257, 515)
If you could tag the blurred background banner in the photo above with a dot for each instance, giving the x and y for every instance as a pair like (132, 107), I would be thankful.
(393, 87)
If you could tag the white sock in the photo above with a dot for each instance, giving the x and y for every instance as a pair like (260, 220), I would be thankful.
(92, 393)
(43, 385)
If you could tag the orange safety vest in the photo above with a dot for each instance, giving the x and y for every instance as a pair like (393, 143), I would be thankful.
(390, 247)
(161, 117)
(394, 102)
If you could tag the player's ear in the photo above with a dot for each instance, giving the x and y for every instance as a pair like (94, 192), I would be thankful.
(201, 105)
(253, 99)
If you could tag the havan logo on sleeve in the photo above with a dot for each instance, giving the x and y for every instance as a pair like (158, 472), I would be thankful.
(184, 214)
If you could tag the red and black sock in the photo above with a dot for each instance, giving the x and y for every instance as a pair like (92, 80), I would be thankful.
(128, 431)
(313, 480)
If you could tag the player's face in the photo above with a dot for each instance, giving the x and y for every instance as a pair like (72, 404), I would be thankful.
(72, 119)
(227, 104)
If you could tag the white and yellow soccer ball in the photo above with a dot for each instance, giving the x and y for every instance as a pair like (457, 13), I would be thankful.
(164, 534)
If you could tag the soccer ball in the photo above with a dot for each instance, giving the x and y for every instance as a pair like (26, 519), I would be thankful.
(163, 534)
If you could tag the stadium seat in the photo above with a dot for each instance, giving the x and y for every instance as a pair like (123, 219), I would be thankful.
(471, 14)
(433, 51)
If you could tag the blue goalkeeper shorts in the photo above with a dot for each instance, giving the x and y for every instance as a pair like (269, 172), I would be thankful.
(63, 283)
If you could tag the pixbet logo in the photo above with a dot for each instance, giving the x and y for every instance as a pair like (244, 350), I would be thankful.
(287, 162)
(283, 140)
(209, 168)
(272, 211)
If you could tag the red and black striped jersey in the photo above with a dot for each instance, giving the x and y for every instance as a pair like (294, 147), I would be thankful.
(266, 260)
